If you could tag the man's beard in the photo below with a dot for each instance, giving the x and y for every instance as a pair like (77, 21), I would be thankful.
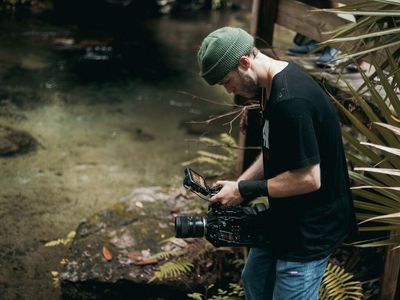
(249, 86)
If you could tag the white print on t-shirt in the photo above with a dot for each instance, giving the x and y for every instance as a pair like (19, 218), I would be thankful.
(266, 134)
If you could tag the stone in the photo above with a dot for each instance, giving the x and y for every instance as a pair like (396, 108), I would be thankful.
(113, 254)
(13, 141)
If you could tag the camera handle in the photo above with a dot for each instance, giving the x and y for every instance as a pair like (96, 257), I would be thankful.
(214, 205)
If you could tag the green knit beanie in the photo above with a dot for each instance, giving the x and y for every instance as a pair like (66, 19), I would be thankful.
(220, 52)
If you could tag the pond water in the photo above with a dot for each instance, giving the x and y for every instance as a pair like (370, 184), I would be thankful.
(107, 111)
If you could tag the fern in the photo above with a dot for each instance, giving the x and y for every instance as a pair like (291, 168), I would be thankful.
(229, 143)
(63, 241)
(196, 296)
(238, 263)
(210, 142)
(234, 292)
(217, 157)
(224, 163)
(338, 284)
(172, 269)
(168, 254)
(202, 160)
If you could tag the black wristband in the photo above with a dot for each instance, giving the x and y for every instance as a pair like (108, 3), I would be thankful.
(251, 189)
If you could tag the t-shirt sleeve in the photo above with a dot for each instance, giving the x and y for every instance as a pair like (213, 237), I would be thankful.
(293, 138)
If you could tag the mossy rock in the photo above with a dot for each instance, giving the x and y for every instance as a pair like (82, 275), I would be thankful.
(113, 253)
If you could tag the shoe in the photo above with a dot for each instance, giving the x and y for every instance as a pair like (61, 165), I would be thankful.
(300, 39)
(326, 59)
(351, 68)
(305, 49)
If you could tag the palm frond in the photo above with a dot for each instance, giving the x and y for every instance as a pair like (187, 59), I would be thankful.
(375, 187)
(385, 217)
(391, 150)
(381, 171)
(373, 146)
(375, 29)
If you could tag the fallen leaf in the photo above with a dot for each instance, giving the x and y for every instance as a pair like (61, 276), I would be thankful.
(146, 261)
(175, 210)
(107, 253)
(135, 255)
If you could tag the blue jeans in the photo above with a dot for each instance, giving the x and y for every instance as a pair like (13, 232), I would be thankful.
(265, 277)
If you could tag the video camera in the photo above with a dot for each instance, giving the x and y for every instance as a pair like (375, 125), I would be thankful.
(223, 225)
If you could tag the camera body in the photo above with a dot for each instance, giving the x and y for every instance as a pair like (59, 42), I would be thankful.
(233, 226)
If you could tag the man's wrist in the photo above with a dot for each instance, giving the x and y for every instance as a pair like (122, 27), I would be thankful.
(251, 189)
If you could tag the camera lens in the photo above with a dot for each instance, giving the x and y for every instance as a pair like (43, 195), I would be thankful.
(188, 226)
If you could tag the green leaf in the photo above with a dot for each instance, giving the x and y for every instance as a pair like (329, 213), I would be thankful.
(377, 98)
(384, 148)
(385, 217)
(384, 13)
(361, 148)
(172, 269)
(373, 207)
(382, 171)
(368, 51)
(358, 124)
(369, 181)
(394, 129)
(376, 187)
(391, 95)
(362, 36)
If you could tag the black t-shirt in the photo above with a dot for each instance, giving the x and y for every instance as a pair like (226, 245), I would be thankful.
(302, 129)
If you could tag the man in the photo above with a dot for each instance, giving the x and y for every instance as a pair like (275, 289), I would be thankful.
(302, 168)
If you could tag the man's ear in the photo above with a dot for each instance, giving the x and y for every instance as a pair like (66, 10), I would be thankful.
(245, 62)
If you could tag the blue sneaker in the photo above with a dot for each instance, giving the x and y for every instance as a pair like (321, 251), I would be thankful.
(325, 60)
(305, 49)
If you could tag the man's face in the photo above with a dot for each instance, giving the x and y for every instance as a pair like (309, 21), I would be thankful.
(240, 83)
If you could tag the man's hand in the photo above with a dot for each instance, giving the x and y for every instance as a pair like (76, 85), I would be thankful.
(229, 193)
